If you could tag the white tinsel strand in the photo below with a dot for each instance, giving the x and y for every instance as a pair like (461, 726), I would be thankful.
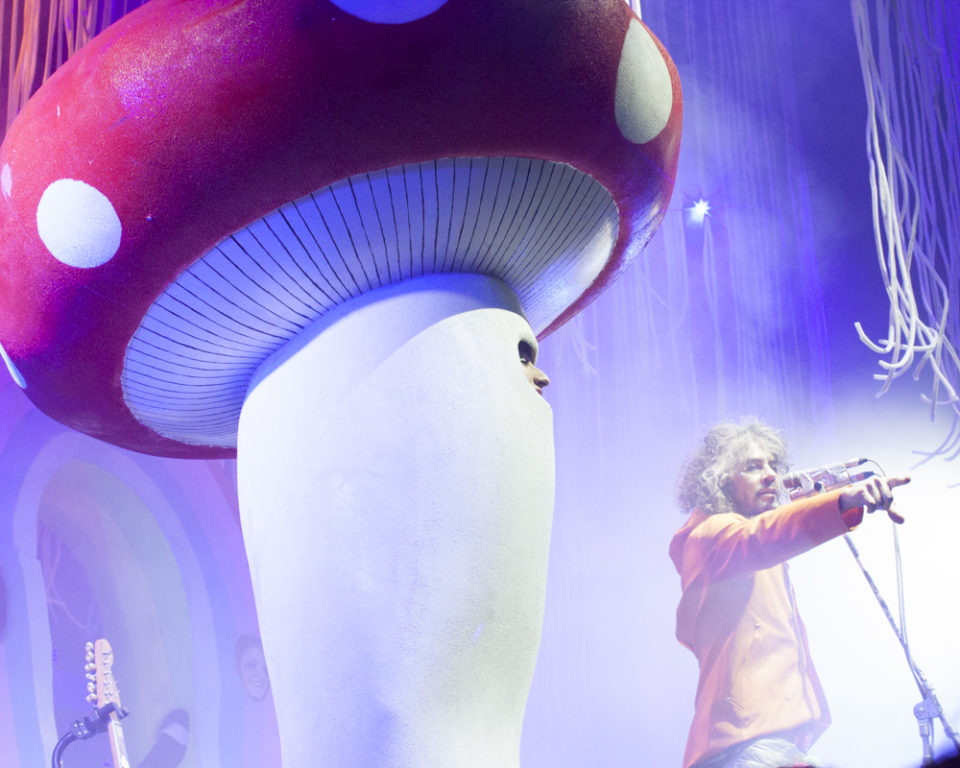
(909, 59)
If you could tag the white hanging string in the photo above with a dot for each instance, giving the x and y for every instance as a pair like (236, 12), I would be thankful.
(909, 57)
(35, 43)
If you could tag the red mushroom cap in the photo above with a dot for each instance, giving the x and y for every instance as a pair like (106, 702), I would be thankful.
(176, 143)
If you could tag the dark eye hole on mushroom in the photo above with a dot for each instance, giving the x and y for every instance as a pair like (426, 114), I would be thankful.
(537, 378)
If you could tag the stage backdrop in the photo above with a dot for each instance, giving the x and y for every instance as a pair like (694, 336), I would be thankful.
(749, 310)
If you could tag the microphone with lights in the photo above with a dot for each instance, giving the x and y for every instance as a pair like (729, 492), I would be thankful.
(809, 482)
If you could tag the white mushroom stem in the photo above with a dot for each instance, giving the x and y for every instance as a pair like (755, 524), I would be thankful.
(396, 479)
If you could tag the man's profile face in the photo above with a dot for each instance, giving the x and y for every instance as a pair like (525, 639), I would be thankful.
(537, 378)
(753, 489)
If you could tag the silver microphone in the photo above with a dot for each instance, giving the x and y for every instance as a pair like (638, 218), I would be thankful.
(808, 482)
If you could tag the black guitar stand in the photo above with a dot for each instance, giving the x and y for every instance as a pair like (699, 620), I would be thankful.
(92, 724)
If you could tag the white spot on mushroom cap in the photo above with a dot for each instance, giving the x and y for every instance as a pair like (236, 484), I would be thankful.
(644, 95)
(17, 376)
(78, 224)
(389, 11)
(6, 180)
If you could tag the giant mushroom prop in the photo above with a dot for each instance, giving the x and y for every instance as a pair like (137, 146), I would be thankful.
(314, 233)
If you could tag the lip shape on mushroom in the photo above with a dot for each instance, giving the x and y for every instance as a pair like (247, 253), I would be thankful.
(227, 192)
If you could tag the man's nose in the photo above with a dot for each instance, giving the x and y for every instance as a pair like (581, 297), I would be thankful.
(540, 378)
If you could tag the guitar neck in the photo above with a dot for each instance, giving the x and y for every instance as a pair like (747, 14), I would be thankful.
(117, 745)
(106, 692)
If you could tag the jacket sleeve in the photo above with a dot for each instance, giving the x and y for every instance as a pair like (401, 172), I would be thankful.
(727, 545)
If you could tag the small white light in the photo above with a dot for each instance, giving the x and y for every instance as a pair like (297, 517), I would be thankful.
(699, 209)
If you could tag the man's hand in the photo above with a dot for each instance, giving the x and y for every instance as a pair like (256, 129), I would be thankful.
(873, 493)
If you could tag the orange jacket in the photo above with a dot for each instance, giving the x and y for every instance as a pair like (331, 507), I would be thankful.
(738, 615)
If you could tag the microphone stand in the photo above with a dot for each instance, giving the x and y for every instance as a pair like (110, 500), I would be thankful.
(929, 707)
(92, 724)
(810, 482)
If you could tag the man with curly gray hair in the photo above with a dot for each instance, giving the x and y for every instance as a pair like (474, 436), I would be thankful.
(759, 703)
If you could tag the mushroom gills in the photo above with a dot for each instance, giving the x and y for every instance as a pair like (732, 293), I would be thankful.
(543, 228)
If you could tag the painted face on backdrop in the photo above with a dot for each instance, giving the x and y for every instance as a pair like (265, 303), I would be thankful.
(253, 672)
(537, 378)
(754, 488)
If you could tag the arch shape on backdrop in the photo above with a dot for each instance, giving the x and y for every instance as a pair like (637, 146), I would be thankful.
(60, 461)
(133, 581)
(39, 461)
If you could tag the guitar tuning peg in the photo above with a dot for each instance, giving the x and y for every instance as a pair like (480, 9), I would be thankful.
(91, 688)
(91, 698)
(88, 646)
(89, 667)
(89, 658)
(91, 677)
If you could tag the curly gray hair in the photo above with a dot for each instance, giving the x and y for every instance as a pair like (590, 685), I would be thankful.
(705, 474)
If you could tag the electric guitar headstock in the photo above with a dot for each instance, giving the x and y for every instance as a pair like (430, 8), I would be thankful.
(102, 690)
